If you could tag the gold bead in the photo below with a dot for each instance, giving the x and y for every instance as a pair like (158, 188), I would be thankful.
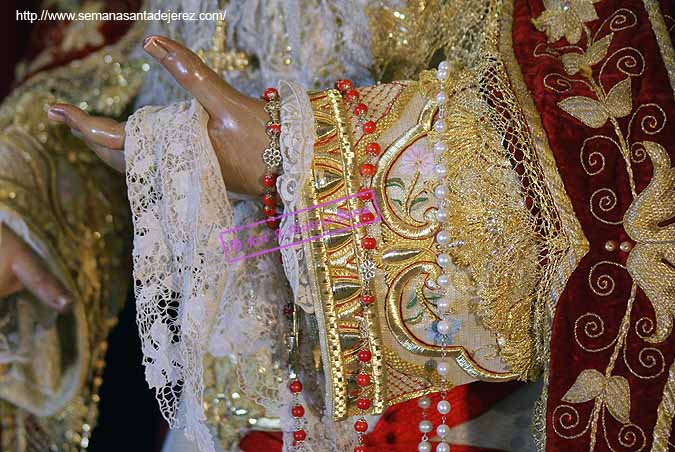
(625, 246)
(610, 245)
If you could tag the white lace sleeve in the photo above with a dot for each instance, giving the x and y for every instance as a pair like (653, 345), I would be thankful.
(297, 146)
(179, 206)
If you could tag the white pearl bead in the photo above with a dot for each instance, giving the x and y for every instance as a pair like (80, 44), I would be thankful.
(441, 191)
(443, 327)
(443, 66)
(442, 430)
(443, 305)
(441, 75)
(443, 407)
(440, 170)
(424, 403)
(442, 368)
(424, 446)
(439, 126)
(442, 447)
(441, 98)
(443, 280)
(426, 426)
(442, 237)
(441, 215)
(443, 260)
(440, 146)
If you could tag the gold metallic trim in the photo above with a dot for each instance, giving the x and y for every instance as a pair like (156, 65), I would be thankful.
(665, 414)
(352, 187)
(662, 38)
(578, 245)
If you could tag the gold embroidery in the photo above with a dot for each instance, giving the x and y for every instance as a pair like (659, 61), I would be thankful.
(565, 18)
(652, 261)
(405, 40)
(651, 266)
(662, 38)
(573, 245)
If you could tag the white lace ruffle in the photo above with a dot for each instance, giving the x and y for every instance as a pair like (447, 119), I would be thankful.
(297, 146)
(179, 206)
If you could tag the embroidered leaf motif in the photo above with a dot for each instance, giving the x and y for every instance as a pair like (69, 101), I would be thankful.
(412, 302)
(614, 392)
(617, 398)
(593, 113)
(619, 102)
(593, 55)
(589, 111)
(588, 386)
(418, 200)
(395, 182)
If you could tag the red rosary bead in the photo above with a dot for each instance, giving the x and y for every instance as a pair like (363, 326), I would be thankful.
(360, 449)
(298, 411)
(300, 435)
(269, 211)
(367, 299)
(365, 194)
(369, 127)
(373, 148)
(363, 380)
(364, 356)
(269, 199)
(363, 404)
(295, 386)
(360, 109)
(269, 180)
(367, 169)
(361, 425)
(352, 95)
(343, 85)
(369, 243)
(366, 217)
(270, 94)
(274, 129)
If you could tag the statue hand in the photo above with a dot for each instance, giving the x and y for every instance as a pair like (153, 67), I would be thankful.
(21, 268)
(236, 122)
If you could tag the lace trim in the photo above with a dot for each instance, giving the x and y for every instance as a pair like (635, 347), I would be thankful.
(179, 205)
(297, 147)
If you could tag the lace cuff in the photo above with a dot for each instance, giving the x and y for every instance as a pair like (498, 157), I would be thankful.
(297, 147)
(179, 206)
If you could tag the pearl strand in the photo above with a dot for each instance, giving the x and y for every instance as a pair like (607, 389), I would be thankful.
(443, 259)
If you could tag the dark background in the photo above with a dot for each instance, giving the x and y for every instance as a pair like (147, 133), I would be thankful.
(129, 418)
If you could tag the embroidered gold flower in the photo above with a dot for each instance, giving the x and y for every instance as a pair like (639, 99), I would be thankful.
(565, 18)
(649, 222)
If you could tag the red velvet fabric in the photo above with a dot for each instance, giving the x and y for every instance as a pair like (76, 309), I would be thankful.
(566, 136)
(397, 430)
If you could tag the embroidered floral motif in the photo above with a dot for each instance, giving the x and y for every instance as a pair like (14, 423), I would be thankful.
(565, 18)
(650, 262)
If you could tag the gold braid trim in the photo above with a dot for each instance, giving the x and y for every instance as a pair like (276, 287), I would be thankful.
(662, 38)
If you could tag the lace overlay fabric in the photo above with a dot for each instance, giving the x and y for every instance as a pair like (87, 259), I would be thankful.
(179, 205)
(194, 307)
